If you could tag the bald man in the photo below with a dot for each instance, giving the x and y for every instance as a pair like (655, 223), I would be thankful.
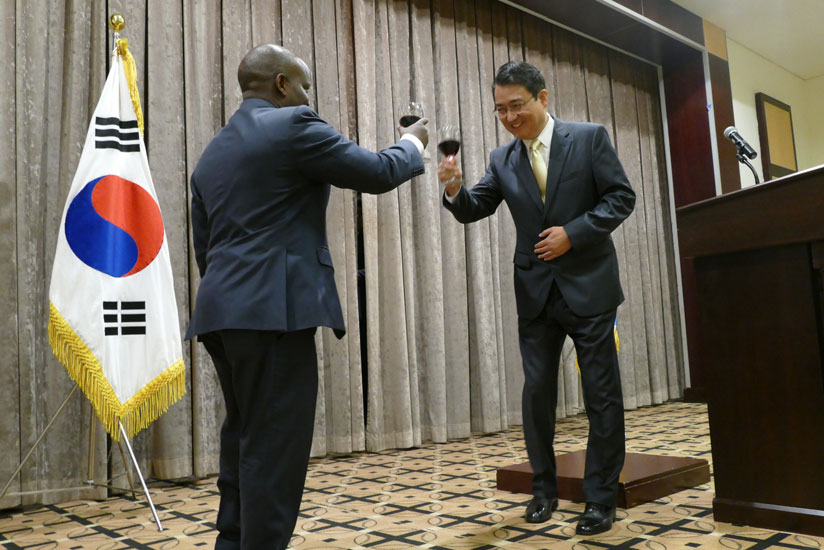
(259, 196)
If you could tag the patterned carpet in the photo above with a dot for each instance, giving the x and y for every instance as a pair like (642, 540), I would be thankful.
(439, 496)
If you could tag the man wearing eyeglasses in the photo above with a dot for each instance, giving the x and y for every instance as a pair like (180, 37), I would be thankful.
(567, 192)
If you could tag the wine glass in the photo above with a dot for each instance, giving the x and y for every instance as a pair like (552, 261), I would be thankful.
(411, 113)
(450, 140)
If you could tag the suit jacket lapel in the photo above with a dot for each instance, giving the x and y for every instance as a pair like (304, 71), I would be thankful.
(558, 152)
(526, 178)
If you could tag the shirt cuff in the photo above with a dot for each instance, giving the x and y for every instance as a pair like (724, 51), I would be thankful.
(453, 198)
(418, 143)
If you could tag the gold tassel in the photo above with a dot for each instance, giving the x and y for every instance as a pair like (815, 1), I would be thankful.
(154, 399)
(84, 368)
(137, 413)
(131, 78)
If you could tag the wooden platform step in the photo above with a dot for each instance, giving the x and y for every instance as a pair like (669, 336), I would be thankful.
(643, 479)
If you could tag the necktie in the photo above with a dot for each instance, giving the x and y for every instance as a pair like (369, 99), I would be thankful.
(539, 167)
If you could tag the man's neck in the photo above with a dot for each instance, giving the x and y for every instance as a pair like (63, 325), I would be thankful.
(541, 131)
(255, 94)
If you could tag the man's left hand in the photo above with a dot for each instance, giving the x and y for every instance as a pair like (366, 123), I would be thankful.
(554, 242)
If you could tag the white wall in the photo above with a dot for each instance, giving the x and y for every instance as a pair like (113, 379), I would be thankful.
(750, 73)
(813, 149)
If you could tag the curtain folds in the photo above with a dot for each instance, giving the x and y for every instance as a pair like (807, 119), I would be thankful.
(440, 325)
(437, 286)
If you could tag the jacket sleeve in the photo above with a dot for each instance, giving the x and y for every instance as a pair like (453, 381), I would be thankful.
(323, 154)
(617, 199)
(200, 228)
(471, 205)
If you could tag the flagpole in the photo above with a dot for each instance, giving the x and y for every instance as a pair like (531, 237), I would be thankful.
(36, 443)
(140, 475)
(90, 479)
(126, 468)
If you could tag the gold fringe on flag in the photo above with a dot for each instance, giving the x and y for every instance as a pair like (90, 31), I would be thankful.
(131, 78)
(83, 367)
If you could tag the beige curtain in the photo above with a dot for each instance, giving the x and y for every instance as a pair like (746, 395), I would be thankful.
(442, 326)
(441, 333)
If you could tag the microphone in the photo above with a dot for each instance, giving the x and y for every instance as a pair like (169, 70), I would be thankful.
(741, 144)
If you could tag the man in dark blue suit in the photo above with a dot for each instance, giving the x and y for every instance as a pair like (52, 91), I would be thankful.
(259, 196)
(567, 191)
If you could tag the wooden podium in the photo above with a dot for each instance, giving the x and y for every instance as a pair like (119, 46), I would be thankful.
(759, 258)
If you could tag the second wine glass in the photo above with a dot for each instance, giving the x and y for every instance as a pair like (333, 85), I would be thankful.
(449, 141)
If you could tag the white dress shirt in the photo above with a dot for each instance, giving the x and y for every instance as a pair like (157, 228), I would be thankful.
(545, 137)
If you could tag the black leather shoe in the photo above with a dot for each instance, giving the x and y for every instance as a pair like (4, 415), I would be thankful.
(540, 509)
(597, 518)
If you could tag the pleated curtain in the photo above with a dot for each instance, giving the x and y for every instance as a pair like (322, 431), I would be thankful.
(440, 326)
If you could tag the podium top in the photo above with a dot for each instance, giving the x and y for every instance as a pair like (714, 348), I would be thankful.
(781, 211)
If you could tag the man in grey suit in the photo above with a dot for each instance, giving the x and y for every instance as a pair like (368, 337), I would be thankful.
(567, 191)
(259, 196)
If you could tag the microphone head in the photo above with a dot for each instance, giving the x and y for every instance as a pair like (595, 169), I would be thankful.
(729, 131)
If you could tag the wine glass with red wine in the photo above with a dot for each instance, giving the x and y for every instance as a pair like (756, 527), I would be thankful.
(450, 141)
(412, 113)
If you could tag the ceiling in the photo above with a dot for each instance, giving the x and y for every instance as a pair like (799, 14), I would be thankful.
(787, 32)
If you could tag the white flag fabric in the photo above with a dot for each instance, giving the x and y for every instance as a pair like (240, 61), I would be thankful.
(113, 317)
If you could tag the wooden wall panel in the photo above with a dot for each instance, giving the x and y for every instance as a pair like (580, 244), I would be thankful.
(688, 125)
(673, 16)
(722, 111)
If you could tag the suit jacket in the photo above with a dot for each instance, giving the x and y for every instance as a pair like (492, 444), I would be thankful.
(587, 192)
(259, 196)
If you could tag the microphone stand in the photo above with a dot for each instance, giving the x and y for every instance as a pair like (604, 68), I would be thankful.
(742, 159)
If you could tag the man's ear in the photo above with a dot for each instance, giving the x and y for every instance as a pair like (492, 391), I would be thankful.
(543, 97)
(280, 84)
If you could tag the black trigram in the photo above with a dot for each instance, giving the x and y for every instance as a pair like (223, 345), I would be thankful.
(124, 318)
(113, 133)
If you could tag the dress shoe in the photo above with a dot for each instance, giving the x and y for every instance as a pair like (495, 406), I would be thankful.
(597, 518)
(540, 509)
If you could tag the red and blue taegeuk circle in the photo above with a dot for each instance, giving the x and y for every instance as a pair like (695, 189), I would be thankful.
(114, 226)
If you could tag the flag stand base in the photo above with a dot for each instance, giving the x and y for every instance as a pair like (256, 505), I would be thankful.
(90, 481)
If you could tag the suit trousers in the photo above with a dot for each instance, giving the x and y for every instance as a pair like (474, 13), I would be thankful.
(541, 341)
(270, 383)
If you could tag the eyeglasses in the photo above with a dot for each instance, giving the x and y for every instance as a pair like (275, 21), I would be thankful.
(515, 107)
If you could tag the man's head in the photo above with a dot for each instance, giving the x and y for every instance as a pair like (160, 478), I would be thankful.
(521, 99)
(275, 74)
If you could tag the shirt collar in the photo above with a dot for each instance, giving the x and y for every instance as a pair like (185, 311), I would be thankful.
(545, 137)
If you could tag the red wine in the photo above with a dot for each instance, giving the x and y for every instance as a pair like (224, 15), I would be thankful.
(449, 147)
(409, 120)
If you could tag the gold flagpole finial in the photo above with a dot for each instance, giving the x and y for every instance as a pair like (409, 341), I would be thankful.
(121, 47)
(116, 22)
